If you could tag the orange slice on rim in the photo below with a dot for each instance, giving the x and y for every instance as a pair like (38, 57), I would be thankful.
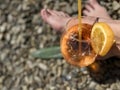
(96, 40)
(102, 38)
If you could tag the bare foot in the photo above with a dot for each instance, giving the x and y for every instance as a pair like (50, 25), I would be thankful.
(93, 8)
(56, 19)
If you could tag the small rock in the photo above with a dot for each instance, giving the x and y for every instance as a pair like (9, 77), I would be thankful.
(84, 70)
(10, 18)
(4, 88)
(92, 85)
(43, 66)
(3, 56)
(113, 86)
(74, 7)
(68, 9)
(1, 36)
(68, 77)
(116, 5)
(98, 87)
(30, 64)
(28, 80)
(110, 89)
(1, 79)
(25, 7)
(68, 88)
(39, 89)
(24, 87)
(119, 11)
(8, 37)
(3, 27)
(40, 29)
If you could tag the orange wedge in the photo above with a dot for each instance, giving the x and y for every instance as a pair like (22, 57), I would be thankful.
(102, 38)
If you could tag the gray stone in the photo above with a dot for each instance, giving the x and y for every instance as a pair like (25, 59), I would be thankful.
(43, 66)
(92, 85)
(113, 86)
(74, 7)
(98, 87)
(1, 36)
(116, 5)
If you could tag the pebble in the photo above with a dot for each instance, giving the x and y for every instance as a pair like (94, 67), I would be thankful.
(98, 87)
(1, 79)
(4, 88)
(74, 8)
(3, 56)
(68, 88)
(68, 9)
(39, 89)
(92, 85)
(8, 37)
(118, 84)
(39, 30)
(113, 86)
(43, 66)
(3, 27)
(119, 11)
(116, 5)
(24, 87)
(68, 77)
(1, 36)
(109, 89)
(84, 70)
(10, 18)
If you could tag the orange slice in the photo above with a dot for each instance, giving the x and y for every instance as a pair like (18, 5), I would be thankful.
(102, 38)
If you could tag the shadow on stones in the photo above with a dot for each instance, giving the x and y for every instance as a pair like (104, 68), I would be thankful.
(108, 71)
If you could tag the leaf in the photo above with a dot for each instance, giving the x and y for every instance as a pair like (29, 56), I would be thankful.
(48, 53)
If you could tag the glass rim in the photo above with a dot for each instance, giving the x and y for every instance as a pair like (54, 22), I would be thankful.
(91, 19)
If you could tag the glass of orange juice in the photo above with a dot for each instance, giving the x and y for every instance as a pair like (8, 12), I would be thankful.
(77, 51)
(82, 43)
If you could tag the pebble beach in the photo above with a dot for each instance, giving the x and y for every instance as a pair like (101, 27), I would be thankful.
(22, 31)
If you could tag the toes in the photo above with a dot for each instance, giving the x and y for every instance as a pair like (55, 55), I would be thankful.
(45, 14)
(42, 12)
(86, 12)
(66, 15)
(63, 14)
(60, 13)
(93, 3)
(89, 7)
(52, 12)
(49, 12)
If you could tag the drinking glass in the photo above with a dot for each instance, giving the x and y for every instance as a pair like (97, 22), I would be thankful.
(78, 51)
